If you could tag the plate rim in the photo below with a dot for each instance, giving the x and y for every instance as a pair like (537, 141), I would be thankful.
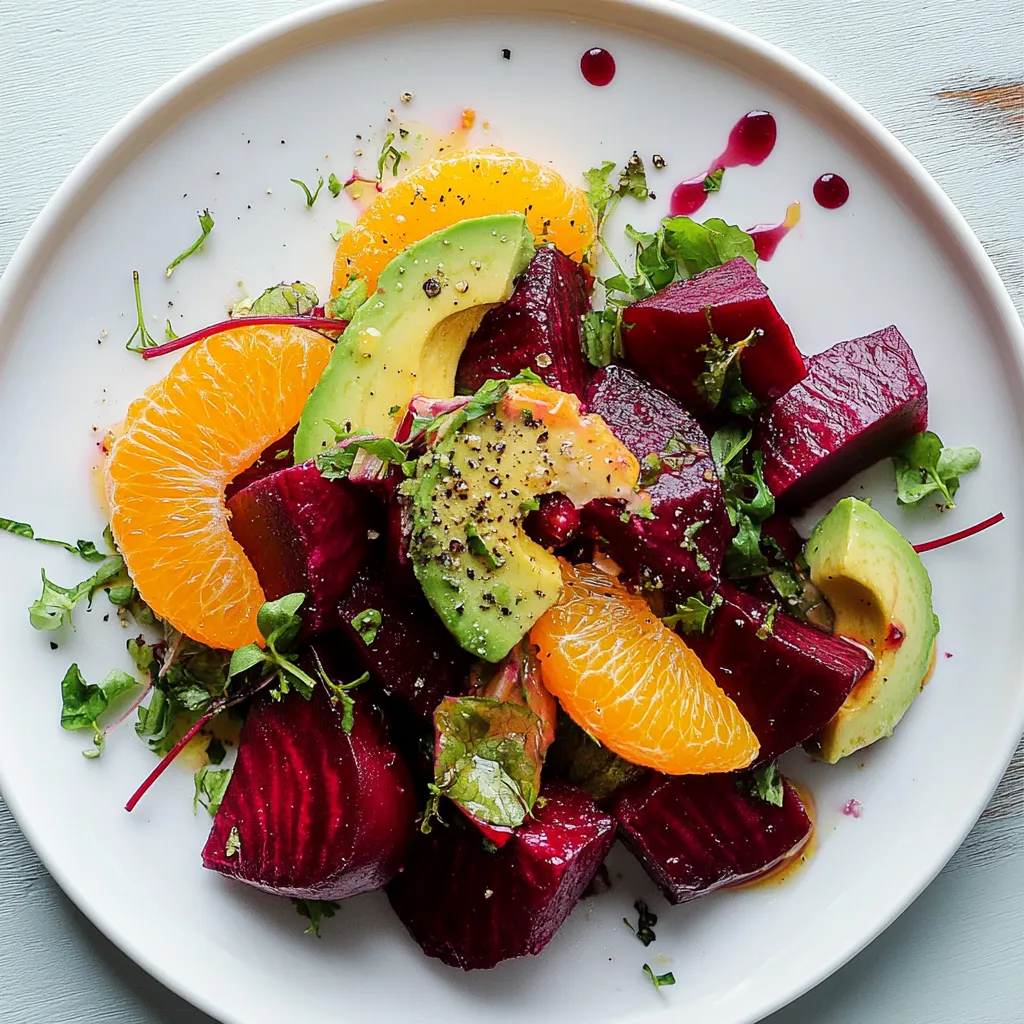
(293, 33)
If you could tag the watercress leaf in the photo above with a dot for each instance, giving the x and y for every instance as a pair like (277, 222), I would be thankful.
(280, 616)
(81, 703)
(713, 181)
(334, 186)
(295, 299)
(315, 911)
(766, 784)
(692, 617)
(297, 679)
(85, 549)
(143, 655)
(210, 785)
(117, 682)
(768, 625)
(599, 188)
(698, 247)
(206, 226)
(633, 178)
(121, 596)
(366, 624)
(336, 463)
(156, 719)
(52, 609)
(743, 557)
(245, 658)
(350, 298)
(924, 466)
(726, 444)
(18, 529)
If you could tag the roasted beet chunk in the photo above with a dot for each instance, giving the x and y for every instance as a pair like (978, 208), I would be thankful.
(787, 680)
(860, 401)
(313, 812)
(681, 549)
(538, 328)
(303, 534)
(472, 908)
(697, 833)
(277, 455)
(410, 653)
(667, 337)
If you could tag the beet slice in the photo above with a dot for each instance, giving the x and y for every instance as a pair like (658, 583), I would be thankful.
(670, 551)
(538, 328)
(311, 812)
(861, 400)
(277, 455)
(412, 657)
(303, 534)
(787, 683)
(472, 908)
(666, 336)
(697, 833)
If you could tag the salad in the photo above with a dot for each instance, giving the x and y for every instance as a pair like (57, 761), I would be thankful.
(488, 560)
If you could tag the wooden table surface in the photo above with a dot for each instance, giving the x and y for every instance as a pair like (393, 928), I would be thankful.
(947, 77)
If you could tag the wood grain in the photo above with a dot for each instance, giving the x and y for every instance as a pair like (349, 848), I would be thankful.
(940, 75)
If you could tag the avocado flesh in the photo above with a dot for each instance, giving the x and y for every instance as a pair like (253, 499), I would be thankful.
(482, 574)
(405, 340)
(882, 598)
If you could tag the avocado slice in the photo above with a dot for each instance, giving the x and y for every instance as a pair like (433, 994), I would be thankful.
(407, 338)
(480, 571)
(882, 597)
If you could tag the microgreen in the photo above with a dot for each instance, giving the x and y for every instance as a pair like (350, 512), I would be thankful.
(334, 186)
(315, 911)
(311, 196)
(692, 617)
(145, 339)
(765, 629)
(210, 784)
(713, 181)
(341, 227)
(924, 467)
(390, 156)
(83, 703)
(336, 463)
(366, 624)
(340, 695)
(645, 923)
(169, 332)
(54, 606)
(83, 548)
(657, 980)
(295, 299)
(206, 226)
(765, 783)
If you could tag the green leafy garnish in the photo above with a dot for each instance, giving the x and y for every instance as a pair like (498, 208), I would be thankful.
(128, 601)
(645, 923)
(765, 629)
(924, 466)
(692, 617)
(478, 546)
(210, 786)
(206, 224)
(336, 463)
(340, 694)
(234, 843)
(390, 156)
(602, 336)
(54, 606)
(311, 197)
(366, 624)
(488, 758)
(82, 703)
(604, 197)
(145, 339)
(668, 978)
(633, 179)
(713, 181)
(334, 186)
(765, 783)
(295, 299)
(599, 188)
(350, 298)
(83, 548)
(315, 911)
(169, 333)
(341, 227)
(698, 247)
(720, 364)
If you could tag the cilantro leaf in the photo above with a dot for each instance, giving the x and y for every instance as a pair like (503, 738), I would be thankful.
(311, 197)
(366, 624)
(145, 339)
(692, 617)
(206, 225)
(659, 979)
(350, 298)
(82, 703)
(334, 186)
(315, 911)
(336, 463)
(83, 548)
(923, 466)
(645, 923)
(210, 786)
(721, 357)
(765, 783)
(53, 607)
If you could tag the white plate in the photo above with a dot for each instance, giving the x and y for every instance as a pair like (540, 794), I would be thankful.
(228, 134)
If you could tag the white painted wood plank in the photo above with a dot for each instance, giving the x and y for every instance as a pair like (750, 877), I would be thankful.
(70, 68)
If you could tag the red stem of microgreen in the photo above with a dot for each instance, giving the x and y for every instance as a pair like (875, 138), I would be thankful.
(130, 709)
(313, 323)
(960, 535)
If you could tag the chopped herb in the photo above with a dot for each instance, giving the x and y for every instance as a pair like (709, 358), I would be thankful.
(82, 703)
(529, 505)
(390, 156)
(336, 463)
(645, 923)
(366, 624)
(145, 339)
(602, 336)
(340, 694)
(478, 546)
(169, 332)
(659, 979)
(765, 783)
(210, 786)
(83, 548)
(599, 188)
(713, 182)
(633, 179)
(315, 911)
(295, 299)
(350, 298)
(765, 629)
(651, 468)
(206, 224)
(311, 197)
(924, 466)
(334, 186)
(234, 843)
(341, 227)
(692, 617)
(53, 607)
(722, 356)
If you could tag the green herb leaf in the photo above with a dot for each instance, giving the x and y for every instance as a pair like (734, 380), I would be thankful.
(692, 617)
(245, 658)
(82, 703)
(334, 186)
(766, 784)
(599, 188)
(488, 757)
(721, 357)
(141, 339)
(602, 336)
(210, 786)
(83, 548)
(633, 179)
(478, 546)
(295, 299)
(53, 607)
(924, 467)
(350, 298)
(206, 225)
(713, 181)
(234, 843)
(659, 979)
(698, 247)
(366, 624)
(341, 227)
(315, 911)
(765, 629)
(311, 197)
(390, 156)
(645, 923)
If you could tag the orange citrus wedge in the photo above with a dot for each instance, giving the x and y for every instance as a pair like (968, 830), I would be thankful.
(471, 184)
(226, 399)
(633, 684)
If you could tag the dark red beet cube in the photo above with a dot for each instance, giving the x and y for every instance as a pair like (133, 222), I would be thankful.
(861, 400)
(666, 336)
(697, 833)
(310, 811)
(681, 549)
(303, 534)
(277, 455)
(413, 657)
(538, 329)
(787, 683)
(472, 908)
(555, 524)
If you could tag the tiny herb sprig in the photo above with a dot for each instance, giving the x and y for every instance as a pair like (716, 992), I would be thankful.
(206, 226)
(52, 609)
(765, 783)
(85, 549)
(341, 694)
(83, 704)
(311, 196)
(692, 617)
(646, 920)
(925, 466)
(657, 980)
(211, 784)
(391, 156)
(315, 911)
(145, 339)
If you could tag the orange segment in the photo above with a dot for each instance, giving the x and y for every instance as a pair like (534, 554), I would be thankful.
(225, 400)
(633, 684)
(472, 184)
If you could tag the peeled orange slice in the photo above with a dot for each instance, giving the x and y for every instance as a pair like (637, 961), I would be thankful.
(633, 684)
(453, 188)
(225, 400)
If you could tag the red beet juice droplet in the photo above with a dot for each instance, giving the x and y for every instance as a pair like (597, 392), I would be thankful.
(831, 191)
(766, 237)
(598, 66)
(687, 197)
(751, 140)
